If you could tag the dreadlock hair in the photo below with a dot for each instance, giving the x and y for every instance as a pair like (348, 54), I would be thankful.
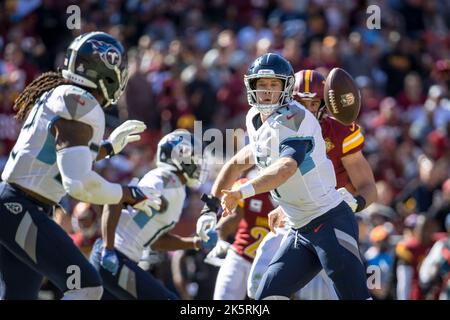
(34, 90)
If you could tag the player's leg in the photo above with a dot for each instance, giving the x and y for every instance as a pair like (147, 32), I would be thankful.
(20, 282)
(292, 267)
(264, 254)
(231, 281)
(337, 247)
(131, 282)
(319, 288)
(39, 242)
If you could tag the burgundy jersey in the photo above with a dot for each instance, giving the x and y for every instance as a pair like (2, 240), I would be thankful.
(341, 140)
(254, 225)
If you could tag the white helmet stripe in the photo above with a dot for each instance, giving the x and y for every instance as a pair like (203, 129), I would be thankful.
(75, 45)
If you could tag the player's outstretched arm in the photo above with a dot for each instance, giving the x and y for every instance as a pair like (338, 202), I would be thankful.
(170, 242)
(362, 178)
(110, 220)
(230, 172)
(270, 178)
(74, 160)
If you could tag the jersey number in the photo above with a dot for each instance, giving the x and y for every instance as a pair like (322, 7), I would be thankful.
(258, 233)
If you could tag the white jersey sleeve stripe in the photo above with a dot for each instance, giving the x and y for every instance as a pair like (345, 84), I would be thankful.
(358, 136)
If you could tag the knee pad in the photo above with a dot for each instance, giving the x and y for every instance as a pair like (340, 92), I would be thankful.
(90, 293)
(276, 298)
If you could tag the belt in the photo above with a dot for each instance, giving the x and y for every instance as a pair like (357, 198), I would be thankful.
(33, 196)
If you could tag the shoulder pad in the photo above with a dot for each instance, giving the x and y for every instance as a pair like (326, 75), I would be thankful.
(290, 117)
(78, 102)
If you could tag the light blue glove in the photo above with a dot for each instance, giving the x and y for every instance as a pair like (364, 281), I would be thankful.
(110, 261)
(212, 239)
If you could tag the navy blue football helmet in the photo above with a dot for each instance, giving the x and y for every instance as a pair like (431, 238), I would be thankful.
(181, 151)
(270, 65)
(97, 60)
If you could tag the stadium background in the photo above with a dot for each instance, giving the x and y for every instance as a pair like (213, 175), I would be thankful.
(187, 59)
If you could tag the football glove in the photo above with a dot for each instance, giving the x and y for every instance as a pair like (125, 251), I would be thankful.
(109, 261)
(212, 240)
(148, 199)
(127, 132)
(217, 255)
(208, 216)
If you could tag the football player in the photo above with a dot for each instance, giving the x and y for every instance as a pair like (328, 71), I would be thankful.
(126, 233)
(60, 138)
(353, 174)
(287, 144)
(249, 225)
(435, 268)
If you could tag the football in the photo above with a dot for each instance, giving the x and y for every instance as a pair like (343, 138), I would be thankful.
(342, 96)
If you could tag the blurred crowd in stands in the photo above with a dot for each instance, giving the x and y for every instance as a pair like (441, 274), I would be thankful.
(187, 59)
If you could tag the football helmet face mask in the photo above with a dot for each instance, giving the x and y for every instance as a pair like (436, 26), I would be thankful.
(97, 60)
(309, 85)
(270, 65)
(182, 152)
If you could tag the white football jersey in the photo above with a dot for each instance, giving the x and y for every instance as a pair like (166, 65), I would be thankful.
(311, 191)
(136, 230)
(32, 162)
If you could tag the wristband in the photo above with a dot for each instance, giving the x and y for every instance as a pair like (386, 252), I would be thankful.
(247, 190)
(361, 203)
(211, 202)
(197, 248)
(108, 147)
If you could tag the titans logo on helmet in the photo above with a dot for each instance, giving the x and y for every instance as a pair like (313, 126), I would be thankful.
(109, 54)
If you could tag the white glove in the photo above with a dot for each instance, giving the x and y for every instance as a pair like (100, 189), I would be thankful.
(221, 248)
(125, 133)
(217, 255)
(348, 197)
(205, 222)
(152, 197)
(153, 201)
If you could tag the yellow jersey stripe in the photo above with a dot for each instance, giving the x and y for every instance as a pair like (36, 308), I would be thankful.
(354, 134)
(359, 140)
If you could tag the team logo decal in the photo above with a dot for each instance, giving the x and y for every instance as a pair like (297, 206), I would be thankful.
(14, 207)
(347, 99)
(109, 54)
(329, 145)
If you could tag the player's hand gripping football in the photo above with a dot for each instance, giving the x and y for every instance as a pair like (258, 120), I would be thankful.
(127, 132)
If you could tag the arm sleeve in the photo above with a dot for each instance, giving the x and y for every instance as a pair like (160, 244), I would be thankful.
(295, 149)
(81, 182)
